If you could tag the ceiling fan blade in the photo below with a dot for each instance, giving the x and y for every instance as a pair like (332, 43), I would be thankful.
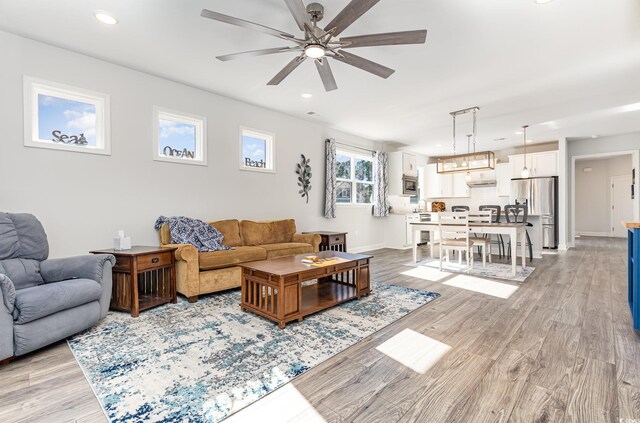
(349, 15)
(244, 24)
(254, 53)
(387, 39)
(299, 12)
(291, 66)
(364, 64)
(326, 75)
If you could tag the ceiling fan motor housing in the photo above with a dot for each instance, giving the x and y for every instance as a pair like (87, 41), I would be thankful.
(315, 12)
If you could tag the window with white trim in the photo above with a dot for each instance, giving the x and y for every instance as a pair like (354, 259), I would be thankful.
(179, 137)
(257, 150)
(354, 178)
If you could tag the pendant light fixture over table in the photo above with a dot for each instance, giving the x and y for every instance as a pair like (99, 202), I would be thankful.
(525, 171)
(470, 162)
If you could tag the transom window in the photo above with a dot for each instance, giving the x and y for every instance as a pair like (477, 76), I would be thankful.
(354, 178)
(257, 150)
(179, 137)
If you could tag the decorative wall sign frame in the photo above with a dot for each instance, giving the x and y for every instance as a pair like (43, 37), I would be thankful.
(179, 126)
(267, 162)
(62, 117)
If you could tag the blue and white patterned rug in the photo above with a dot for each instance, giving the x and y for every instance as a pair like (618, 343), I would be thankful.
(205, 361)
(491, 270)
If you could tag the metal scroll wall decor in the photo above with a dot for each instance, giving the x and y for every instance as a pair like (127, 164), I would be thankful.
(303, 170)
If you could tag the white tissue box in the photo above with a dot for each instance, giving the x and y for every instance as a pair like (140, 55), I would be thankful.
(122, 243)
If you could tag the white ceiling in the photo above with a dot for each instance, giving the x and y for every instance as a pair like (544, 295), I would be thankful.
(569, 68)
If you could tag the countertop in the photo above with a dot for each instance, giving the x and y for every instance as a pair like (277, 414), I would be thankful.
(631, 225)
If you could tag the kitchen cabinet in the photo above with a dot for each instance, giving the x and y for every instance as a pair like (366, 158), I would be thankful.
(539, 164)
(409, 164)
(444, 186)
(397, 230)
(503, 179)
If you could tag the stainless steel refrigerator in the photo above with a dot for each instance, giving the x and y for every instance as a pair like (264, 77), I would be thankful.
(541, 196)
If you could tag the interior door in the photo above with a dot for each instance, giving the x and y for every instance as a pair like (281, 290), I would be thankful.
(621, 204)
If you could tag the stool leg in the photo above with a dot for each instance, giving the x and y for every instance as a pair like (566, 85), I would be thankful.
(530, 246)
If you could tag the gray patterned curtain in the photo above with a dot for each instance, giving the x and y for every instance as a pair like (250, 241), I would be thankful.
(330, 180)
(380, 184)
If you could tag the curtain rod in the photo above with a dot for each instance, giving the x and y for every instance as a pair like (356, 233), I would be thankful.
(353, 146)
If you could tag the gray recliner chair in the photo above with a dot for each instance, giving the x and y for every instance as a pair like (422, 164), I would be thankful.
(43, 301)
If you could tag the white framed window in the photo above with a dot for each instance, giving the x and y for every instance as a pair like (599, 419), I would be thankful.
(179, 137)
(62, 117)
(257, 150)
(354, 178)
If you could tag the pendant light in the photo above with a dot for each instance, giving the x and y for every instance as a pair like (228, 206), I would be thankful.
(525, 171)
(466, 163)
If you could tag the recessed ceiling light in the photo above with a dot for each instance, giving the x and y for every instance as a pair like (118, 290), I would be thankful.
(528, 141)
(105, 17)
(594, 136)
(438, 145)
(306, 95)
(542, 1)
(519, 133)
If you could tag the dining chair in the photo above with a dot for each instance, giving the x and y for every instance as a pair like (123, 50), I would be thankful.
(518, 213)
(497, 217)
(482, 242)
(459, 208)
(453, 230)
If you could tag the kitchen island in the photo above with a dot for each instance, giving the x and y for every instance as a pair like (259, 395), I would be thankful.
(633, 246)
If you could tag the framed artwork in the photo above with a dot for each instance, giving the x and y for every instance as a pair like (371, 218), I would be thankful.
(62, 117)
(179, 137)
(257, 150)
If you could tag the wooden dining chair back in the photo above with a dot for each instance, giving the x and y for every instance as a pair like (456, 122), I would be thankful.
(483, 217)
(453, 230)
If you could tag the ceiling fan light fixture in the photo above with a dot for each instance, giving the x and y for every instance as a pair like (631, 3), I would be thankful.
(314, 51)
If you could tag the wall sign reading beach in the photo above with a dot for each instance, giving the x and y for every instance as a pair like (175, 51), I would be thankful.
(61, 117)
(179, 137)
(257, 150)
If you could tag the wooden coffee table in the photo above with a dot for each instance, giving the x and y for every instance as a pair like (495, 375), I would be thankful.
(275, 288)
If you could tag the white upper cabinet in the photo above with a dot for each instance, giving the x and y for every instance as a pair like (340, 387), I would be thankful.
(539, 164)
(409, 164)
(444, 186)
(503, 179)
(460, 187)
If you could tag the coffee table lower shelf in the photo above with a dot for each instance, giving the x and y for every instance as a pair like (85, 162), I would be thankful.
(286, 298)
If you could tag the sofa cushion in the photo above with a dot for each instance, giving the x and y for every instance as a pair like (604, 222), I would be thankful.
(230, 229)
(226, 258)
(40, 301)
(270, 232)
(287, 249)
(24, 273)
(22, 236)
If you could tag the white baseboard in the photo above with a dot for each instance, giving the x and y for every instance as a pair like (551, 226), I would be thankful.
(563, 247)
(583, 233)
(372, 247)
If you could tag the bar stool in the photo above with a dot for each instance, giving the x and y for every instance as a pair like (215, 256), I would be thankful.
(518, 213)
(497, 216)
(459, 209)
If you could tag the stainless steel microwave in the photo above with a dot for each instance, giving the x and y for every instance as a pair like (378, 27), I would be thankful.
(409, 185)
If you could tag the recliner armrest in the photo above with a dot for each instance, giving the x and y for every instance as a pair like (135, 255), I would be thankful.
(7, 293)
(88, 267)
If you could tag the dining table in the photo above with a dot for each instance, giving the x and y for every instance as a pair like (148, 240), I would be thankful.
(515, 231)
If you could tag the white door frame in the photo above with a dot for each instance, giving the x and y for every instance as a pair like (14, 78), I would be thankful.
(635, 163)
(612, 182)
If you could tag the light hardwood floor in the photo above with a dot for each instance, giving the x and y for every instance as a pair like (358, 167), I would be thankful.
(560, 348)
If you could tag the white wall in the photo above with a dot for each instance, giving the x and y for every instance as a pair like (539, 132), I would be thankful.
(593, 193)
(83, 199)
(594, 148)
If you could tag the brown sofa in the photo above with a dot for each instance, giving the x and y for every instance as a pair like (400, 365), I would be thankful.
(202, 273)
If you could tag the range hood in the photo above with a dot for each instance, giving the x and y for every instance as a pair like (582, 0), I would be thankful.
(481, 183)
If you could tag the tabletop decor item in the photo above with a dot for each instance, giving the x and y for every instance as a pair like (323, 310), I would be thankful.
(303, 170)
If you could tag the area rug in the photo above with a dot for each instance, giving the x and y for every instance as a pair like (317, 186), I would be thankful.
(204, 361)
(491, 270)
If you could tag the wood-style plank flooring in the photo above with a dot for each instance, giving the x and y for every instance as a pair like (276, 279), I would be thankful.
(559, 348)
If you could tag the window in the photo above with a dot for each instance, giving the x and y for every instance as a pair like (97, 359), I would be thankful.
(60, 117)
(354, 176)
(257, 150)
(179, 137)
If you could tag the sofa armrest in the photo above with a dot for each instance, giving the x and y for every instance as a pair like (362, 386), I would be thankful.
(86, 267)
(313, 239)
(7, 305)
(187, 269)
(7, 293)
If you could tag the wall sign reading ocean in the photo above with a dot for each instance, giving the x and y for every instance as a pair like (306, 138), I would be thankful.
(179, 137)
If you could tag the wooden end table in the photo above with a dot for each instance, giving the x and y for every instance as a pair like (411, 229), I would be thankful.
(154, 273)
(332, 241)
(274, 288)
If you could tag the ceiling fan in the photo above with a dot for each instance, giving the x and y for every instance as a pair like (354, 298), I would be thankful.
(320, 44)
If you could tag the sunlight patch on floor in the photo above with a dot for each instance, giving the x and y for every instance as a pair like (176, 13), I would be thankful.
(414, 350)
(483, 286)
(286, 404)
(427, 273)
